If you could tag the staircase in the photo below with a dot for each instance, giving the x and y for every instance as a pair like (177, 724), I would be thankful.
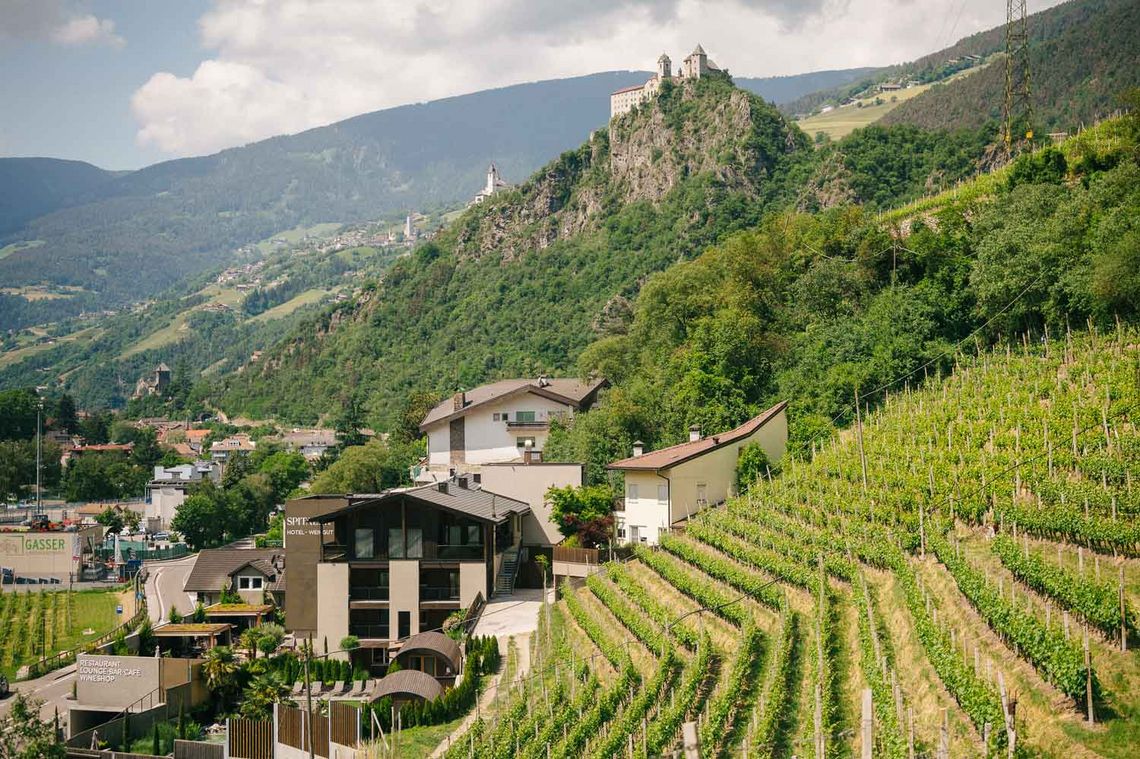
(505, 580)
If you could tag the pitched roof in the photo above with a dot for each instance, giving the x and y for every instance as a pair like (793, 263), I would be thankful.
(628, 89)
(678, 454)
(572, 392)
(408, 682)
(215, 566)
(471, 501)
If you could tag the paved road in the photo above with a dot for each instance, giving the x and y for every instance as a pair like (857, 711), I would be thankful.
(54, 689)
(164, 583)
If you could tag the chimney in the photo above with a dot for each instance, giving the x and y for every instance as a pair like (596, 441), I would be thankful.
(459, 400)
(462, 481)
(694, 433)
(638, 448)
(442, 486)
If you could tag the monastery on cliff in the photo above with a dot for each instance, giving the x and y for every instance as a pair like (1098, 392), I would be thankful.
(695, 65)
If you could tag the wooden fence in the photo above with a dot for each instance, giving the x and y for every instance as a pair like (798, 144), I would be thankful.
(576, 555)
(249, 739)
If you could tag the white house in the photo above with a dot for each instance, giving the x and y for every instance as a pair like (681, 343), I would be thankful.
(167, 490)
(672, 484)
(503, 422)
(695, 65)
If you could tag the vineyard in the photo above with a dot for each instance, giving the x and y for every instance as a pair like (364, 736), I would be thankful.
(972, 559)
(50, 621)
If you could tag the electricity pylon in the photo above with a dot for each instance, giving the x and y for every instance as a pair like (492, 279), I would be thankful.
(1018, 112)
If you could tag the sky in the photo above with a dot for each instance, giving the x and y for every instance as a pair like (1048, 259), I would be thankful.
(126, 83)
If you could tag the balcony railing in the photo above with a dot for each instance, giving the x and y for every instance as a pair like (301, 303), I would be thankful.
(428, 550)
(538, 424)
(369, 632)
(438, 594)
(366, 593)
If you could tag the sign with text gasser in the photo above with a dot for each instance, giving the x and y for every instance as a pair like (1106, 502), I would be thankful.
(31, 552)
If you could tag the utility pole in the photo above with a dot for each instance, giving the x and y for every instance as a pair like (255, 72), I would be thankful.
(39, 457)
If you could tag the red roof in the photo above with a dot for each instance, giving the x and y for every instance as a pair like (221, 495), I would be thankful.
(628, 89)
(678, 454)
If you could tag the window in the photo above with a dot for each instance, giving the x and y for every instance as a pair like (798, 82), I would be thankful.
(363, 544)
(477, 478)
(662, 495)
(522, 441)
(250, 583)
(404, 624)
(631, 492)
(497, 417)
(621, 532)
(415, 543)
(524, 416)
(635, 533)
(395, 543)
(702, 494)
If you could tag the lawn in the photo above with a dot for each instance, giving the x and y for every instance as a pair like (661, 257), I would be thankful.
(294, 235)
(843, 120)
(420, 742)
(15, 356)
(52, 621)
(291, 305)
(8, 250)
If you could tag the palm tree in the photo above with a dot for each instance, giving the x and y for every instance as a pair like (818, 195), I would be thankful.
(220, 670)
(249, 639)
(264, 691)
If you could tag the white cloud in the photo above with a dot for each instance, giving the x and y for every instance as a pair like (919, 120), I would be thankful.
(56, 21)
(284, 65)
(82, 30)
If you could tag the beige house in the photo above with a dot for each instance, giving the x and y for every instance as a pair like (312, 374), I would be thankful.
(670, 485)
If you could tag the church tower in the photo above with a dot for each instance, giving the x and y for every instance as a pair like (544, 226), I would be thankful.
(664, 67)
(493, 180)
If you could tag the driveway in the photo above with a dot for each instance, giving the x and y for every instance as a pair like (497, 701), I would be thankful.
(512, 615)
(54, 689)
(164, 583)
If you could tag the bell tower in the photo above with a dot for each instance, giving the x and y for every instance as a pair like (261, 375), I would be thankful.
(664, 67)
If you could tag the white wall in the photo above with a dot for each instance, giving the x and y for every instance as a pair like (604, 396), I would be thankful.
(645, 511)
(715, 470)
(529, 483)
(487, 441)
(164, 503)
(404, 594)
(472, 581)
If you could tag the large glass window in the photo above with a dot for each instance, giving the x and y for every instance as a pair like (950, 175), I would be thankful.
(395, 543)
(415, 543)
(524, 416)
(363, 543)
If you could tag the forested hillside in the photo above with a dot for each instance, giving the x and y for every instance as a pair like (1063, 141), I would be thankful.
(142, 232)
(521, 285)
(1082, 56)
(31, 187)
(816, 308)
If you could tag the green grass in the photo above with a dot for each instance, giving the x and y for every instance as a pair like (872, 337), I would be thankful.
(31, 618)
(842, 121)
(171, 333)
(295, 234)
(419, 742)
(15, 247)
(15, 356)
(284, 309)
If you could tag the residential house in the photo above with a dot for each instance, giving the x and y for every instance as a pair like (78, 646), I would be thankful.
(505, 421)
(670, 485)
(311, 444)
(220, 450)
(70, 454)
(167, 490)
(255, 574)
(195, 438)
(388, 566)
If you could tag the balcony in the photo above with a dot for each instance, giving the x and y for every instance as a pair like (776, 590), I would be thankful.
(335, 552)
(361, 593)
(369, 632)
(537, 424)
(428, 593)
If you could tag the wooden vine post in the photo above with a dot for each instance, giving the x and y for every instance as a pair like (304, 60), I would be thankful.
(1008, 710)
(859, 439)
(1088, 677)
(1123, 607)
(867, 745)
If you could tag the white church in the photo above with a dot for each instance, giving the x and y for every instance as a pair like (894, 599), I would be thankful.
(695, 65)
(494, 184)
